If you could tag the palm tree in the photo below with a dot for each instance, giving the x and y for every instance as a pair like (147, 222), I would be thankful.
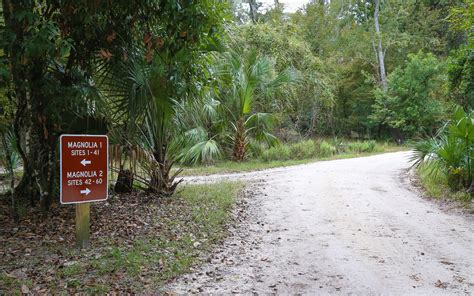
(244, 77)
(125, 88)
(202, 121)
(141, 96)
(161, 136)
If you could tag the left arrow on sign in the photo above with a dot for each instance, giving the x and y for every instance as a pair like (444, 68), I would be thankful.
(85, 162)
(85, 191)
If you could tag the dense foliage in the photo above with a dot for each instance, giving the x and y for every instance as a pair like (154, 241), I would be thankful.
(413, 102)
(55, 55)
(450, 152)
(461, 61)
(181, 82)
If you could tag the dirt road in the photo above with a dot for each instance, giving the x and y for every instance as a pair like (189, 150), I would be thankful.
(342, 226)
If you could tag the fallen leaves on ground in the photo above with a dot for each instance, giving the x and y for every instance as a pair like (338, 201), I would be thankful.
(38, 253)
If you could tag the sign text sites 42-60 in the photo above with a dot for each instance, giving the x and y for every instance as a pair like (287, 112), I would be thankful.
(84, 168)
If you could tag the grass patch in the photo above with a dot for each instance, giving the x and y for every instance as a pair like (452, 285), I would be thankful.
(213, 204)
(71, 271)
(159, 259)
(97, 289)
(287, 155)
(12, 285)
(436, 185)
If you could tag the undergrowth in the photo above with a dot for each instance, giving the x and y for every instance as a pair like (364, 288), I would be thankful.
(436, 185)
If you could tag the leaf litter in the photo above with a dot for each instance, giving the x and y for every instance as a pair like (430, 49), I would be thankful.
(38, 253)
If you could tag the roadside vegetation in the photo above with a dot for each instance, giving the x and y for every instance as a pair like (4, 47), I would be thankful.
(445, 162)
(297, 153)
(437, 186)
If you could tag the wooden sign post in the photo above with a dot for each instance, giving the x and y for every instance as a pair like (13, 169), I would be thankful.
(83, 225)
(83, 177)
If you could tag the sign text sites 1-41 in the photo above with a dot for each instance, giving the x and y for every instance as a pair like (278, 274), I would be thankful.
(84, 168)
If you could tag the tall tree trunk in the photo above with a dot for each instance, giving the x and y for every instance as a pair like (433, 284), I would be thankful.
(8, 150)
(372, 41)
(380, 52)
(253, 10)
(36, 144)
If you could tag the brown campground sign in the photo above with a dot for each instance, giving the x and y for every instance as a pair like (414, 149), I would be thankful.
(83, 168)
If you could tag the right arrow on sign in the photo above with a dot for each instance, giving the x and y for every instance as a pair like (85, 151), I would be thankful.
(85, 191)
(85, 162)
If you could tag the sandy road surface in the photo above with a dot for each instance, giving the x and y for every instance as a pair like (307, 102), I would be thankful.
(342, 226)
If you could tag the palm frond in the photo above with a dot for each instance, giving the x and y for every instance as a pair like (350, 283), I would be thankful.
(202, 152)
(424, 151)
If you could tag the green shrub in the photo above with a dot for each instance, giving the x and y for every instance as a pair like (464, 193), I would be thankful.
(381, 147)
(303, 150)
(354, 147)
(369, 146)
(438, 184)
(359, 147)
(339, 145)
(450, 152)
(313, 149)
(255, 149)
(326, 149)
(280, 152)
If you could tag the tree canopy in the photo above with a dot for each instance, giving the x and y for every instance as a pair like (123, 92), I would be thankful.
(190, 82)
